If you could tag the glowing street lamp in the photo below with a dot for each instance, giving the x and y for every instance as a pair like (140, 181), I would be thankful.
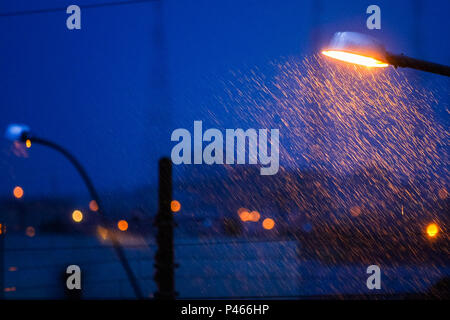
(22, 133)
(361, 49)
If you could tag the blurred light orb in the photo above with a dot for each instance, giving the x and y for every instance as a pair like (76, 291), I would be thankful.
(30, 232)
(432, 230)
(254, 216)
(15, 132)
(122, 225)
(28, 143)
(93, 206)
(77, 216)
(18, 192)
(244, 215)
(175, 206)
(268, 224)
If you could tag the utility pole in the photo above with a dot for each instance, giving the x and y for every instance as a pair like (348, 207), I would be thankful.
(164, 257)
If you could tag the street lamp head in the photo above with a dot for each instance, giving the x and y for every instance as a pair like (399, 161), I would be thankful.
(357, 48)
(17, 132)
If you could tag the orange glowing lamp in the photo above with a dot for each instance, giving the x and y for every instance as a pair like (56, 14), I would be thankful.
(355, 58)
(361, 49)
(356, 48)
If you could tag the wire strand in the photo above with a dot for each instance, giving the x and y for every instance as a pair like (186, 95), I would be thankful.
(87, 6)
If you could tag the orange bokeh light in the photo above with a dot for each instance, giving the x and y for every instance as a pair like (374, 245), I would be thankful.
(244, 215)
(432, 230)
(77, 215)
(247, 215)
(175, 206)
(268, 224)
(254, 216)
(122, 225)
(93, 205)
(30, 232)
(28, 143)
(18, 192)
(355, 58)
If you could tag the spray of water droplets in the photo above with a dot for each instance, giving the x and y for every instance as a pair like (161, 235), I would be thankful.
(355, 142)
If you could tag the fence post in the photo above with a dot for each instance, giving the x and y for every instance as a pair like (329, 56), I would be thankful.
(164, 257)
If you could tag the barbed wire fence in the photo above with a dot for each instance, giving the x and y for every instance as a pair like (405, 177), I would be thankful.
(41, 275)
(226, 269)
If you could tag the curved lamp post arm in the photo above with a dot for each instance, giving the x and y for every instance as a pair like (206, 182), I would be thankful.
(115, 242)
(93, 193)
(400, 60)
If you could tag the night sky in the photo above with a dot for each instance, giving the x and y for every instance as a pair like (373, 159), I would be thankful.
(113, 91)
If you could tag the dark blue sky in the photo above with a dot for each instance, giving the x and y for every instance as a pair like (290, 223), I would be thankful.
(113, 91)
